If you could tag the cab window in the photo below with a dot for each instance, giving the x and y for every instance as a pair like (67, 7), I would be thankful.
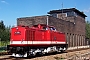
(52, 29)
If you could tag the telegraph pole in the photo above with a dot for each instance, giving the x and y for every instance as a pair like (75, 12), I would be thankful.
(62, 7)
(62, 10)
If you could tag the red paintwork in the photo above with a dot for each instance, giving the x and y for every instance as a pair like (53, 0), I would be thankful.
(36, 33)
(18, 36)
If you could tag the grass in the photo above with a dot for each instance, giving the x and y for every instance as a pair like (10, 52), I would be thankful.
(2, 50)
(59, 58)
(4, 43)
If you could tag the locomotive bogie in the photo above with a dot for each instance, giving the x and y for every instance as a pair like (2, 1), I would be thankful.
(25, 52)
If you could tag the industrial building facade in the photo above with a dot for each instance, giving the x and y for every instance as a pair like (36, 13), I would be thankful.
(70, 21)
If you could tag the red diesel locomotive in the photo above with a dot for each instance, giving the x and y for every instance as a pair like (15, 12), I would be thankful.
(28, 41)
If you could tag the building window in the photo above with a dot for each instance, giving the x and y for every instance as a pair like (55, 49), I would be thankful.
(54, 15)
(69, 14)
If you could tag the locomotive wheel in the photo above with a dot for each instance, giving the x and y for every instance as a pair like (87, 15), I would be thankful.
(42, 53)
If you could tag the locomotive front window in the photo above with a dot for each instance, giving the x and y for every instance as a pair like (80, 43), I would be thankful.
(17, 32)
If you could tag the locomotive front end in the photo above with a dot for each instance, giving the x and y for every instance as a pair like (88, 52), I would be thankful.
(18, 43)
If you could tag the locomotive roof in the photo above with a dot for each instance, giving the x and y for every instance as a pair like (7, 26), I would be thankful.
(36, 25)
(43, 25)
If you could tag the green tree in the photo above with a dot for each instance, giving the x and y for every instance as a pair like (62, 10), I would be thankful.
(88, 29)
(2, 26)
(4, 33)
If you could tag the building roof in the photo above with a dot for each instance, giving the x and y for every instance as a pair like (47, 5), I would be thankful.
(67, 10)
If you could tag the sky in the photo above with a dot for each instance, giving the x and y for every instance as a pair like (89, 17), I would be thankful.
(10, 10)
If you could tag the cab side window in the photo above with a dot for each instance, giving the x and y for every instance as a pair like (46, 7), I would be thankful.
(45, 28)
(52, 29)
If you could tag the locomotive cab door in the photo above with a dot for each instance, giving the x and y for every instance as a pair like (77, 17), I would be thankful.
(53, 35)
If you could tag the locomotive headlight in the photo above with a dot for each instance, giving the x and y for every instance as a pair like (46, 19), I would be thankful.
(11, 41)
(17, 28)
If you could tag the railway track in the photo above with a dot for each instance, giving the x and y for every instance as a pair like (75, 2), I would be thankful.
(69, 54)
(5, 53)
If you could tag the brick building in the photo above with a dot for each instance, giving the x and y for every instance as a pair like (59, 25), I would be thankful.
(70, 21)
